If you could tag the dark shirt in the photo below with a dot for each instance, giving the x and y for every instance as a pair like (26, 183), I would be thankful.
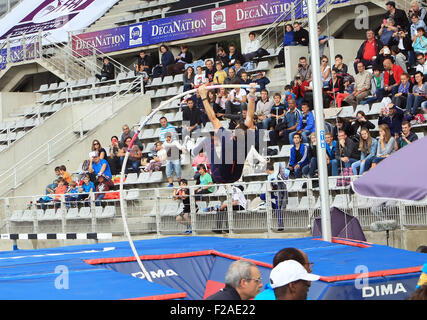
(209, 74)
(188, 57)
(146, 61)
(225, 60)
(411, 137)
(400, 19)
(350, 150)
(341, 71)
(192, 116)
(108, 71)
(227, 293)
(301, 34)
(236, 56)
(394, 123)
(167, 58)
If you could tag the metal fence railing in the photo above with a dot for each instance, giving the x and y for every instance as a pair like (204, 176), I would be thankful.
(157, 211)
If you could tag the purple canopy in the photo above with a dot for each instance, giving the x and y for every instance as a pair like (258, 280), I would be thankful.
(402, 176)
(343, 225)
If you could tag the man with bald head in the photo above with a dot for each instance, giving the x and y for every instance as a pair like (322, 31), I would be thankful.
(285, 255)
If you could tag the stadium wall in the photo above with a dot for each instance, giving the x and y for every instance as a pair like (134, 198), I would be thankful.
(13, 102)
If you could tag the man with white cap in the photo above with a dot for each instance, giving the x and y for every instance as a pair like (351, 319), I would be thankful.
(291, 281)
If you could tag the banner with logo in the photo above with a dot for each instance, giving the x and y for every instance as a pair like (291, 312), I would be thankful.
(227, 18)
(53, 17)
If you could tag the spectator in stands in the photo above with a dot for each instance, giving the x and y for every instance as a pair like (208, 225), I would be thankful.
(159, 160)
(405, 88)
(183, 193)
(236, 100)
(127, 133)
(98, 166)
(191, 119)
(260, 79)
(361, 122)
(222, 98)
(291, 281)
(335, 86)
(51, 187)
(239, 203)
(242, 282)
(422, 64)
(304, 69)
(407, 136)
(399, 16)
(331, 147)
(103, 185)
(144, 66)
(64, 174)
(173, 160)
(284, 255)
(184, 57)
(201, 158)
(96, 146)
(166, 60)
(220, 74)
(107, 71)
(86, 189)
(71, 194)
(239, 69)
(277, 113)
(212, 97)
(222, 57)
(287, 126)
(347, 90)
(362, 86)
(418, 94)
(420, 11)
(368, 51)
(339, 67)
(391, 116)
(399, 58)
(205, 181)
(188, 79)
(299, 89)
(232, 77)
(301, 36)
(403, 41)
(386, 31)
(419, 41)
(416, 23)
(165, 127)
(368, 148)
(377, 84)
(288, 95)
(392, 77)
(113, 159)
(305, 125)
(235, 119)
(199, 78)
(299, 155)
(309, 170)
(288, 40)
(233, 55)
(346, 152)
(263, 110)
(244, 79)
(252, 48)
(385, 144)
(59, 191)
(342, 124)
(210, 71)
(419, 294)
(135, 156)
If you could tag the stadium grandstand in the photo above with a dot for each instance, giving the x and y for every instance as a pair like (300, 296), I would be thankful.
(72, 95)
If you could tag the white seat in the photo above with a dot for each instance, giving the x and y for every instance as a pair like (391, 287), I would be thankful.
(85, 213)
(72, 213)
(146, 134)
(43, 87)
(156, 82)
(49, 214)
(171, 209)
(362, 107)
(375, 108)
(156, 176)
(262, 66)
(160, 93)
(297, 186)
(131, 178)
(292, 203)
(16, 216)
(98, 212)
(151, 93)
(208, 127)
(132, 194)
(144, 177)
(220, 191)
(172, 91)
(27, 215)
(59, 213)
(109, 212)
(347, 111)
(286, 151)
(53, 86)
(341, 201)
(307, 203)
(178, 78)
(254, 188)
(167, 80)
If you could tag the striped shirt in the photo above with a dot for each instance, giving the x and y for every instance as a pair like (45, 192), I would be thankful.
(168, 128)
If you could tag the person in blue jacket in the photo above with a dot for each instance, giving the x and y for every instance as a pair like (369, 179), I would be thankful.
(392, 116)
(299, 156)
(306, 124)
(166, 60)
(284, 255)
(288, 40)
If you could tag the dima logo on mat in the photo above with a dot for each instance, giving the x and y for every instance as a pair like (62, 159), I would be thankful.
(155, 274)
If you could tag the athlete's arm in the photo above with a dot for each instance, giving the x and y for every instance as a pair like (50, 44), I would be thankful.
(209, 111)
(249, 122)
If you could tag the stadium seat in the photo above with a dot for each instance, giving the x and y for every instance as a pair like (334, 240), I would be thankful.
(146, 134)
(144, 177)
(132, 194)
(27, 216)
(347, 111)
(362, 107)
(375, 108)
(307, 203)
(292, 203)
(109, 212)
(155, 83)
(341, 201)
(178, 78)
(85, 213)
(16, 216)
(131, 178)
(167, 80)
(156, 177)
(160, 93)
(43, 87)
(49, 214)
(72, 213)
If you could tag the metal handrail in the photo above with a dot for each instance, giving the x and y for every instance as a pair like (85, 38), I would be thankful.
(11, 174)
(99, 52)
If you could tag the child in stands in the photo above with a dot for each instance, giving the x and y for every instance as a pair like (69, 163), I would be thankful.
(183, 194)
(65, 175)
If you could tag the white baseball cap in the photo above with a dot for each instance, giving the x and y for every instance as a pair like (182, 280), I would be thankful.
(93, 154)
(289, 271)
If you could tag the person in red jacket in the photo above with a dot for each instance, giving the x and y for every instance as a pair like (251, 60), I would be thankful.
(299, 89)
(368, 51)
(391, 79)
